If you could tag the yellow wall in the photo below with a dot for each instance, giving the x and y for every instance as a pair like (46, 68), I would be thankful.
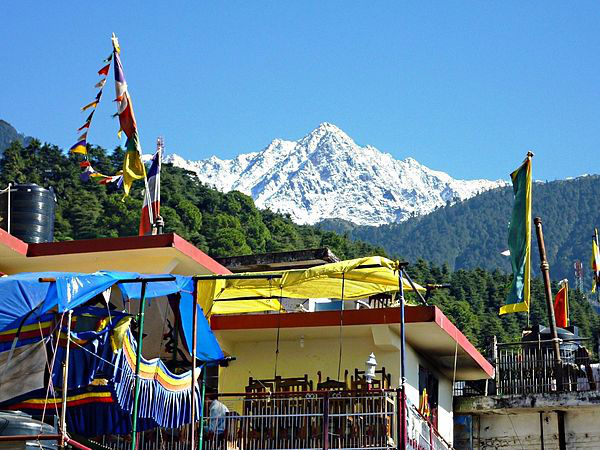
(256, 358)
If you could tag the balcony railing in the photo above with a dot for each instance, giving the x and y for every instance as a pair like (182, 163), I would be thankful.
(530, 368)
(341, 420)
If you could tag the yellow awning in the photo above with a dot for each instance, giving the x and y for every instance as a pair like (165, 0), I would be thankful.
(348, 280)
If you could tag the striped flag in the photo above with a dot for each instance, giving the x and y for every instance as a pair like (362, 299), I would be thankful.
(519, 240)
(154, 197)
(79, 147)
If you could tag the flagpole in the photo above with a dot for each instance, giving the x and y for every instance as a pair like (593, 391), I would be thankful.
(545, 268)
(596, 278)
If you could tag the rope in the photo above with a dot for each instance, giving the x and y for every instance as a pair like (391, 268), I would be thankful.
(454, 372)
(341, 325)
(51, 366)
(278, 325)
(514, 429)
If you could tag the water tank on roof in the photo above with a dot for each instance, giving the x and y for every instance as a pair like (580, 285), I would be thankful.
(31, 212)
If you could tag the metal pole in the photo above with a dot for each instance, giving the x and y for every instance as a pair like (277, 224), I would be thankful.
(414, 288)
(138, 361)
(326, 421)
(545, 268)
(8, 204)
(63, 411)
(202, 399)
(402, 436)
(541, 430)
(193, 393)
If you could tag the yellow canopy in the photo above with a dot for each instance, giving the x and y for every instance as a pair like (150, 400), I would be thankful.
(348, 280)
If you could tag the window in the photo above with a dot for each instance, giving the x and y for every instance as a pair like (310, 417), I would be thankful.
(427, 380)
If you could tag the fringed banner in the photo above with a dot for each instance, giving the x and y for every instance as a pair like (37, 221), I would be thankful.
(164, 397)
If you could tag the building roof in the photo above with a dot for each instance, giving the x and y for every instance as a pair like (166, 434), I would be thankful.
(164, 253)
(296, 259)
(428, 331)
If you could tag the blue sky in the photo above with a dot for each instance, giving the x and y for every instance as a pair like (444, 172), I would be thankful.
(464, 87)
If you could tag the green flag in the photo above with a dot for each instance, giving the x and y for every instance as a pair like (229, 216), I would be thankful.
(519, 240)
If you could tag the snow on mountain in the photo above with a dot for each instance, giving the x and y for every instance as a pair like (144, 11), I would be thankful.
(327, 175)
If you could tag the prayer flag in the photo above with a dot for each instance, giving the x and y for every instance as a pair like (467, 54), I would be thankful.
(104, 70)
(124, 106)
(89, 118)
(519, 240)
(101, 83)
(86, 174)
(83, 164)
(90, 105)
(85, 125)
(561, 305)
(112, 179)
(153, 195)
(79, 147)
(133, 167)
(83, 137)
(109, 58)
(99, 95)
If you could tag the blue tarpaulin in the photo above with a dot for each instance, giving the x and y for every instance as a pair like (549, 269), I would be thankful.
(23, 296)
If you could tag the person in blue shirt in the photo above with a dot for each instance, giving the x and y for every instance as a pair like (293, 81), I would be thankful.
(215, 428)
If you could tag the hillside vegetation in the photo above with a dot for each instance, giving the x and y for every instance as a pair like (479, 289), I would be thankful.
(230, 224)
(471, 234)
(219, 224)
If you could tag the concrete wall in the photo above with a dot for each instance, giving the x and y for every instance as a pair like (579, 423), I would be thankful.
(257, 359)
(521, 431)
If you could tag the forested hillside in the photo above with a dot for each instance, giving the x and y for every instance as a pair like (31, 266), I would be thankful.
(473, 301)
(219, 224)
(472, 233)
(230, 224)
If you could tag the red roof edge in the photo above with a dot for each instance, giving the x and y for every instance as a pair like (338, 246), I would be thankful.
(457, 335)
(101, 245)
(198, 255)
(13, 243)
(125, 243)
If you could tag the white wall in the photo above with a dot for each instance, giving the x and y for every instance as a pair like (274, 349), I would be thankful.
(522, 430)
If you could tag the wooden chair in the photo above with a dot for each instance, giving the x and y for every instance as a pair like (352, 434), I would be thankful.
(294, 384)
(359, 383)
(339, 405)
(375, 426)
(332, 385)
(257, 404)
(290, 407)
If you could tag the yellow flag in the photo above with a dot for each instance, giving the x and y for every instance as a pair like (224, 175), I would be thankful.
(133, 167)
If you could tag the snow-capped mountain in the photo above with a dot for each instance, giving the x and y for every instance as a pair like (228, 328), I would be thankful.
(327, 175)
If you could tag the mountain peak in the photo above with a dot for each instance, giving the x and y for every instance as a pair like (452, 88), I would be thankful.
(325, 174)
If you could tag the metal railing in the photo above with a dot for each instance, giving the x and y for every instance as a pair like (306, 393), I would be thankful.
(530, 368)
(421, 434)
(342, 420)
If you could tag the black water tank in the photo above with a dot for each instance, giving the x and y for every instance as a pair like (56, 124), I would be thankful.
(31, 212)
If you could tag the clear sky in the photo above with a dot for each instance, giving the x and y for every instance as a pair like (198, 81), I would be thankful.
(464, 87)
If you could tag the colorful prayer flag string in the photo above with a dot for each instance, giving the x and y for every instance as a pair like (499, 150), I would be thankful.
(80, 146)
